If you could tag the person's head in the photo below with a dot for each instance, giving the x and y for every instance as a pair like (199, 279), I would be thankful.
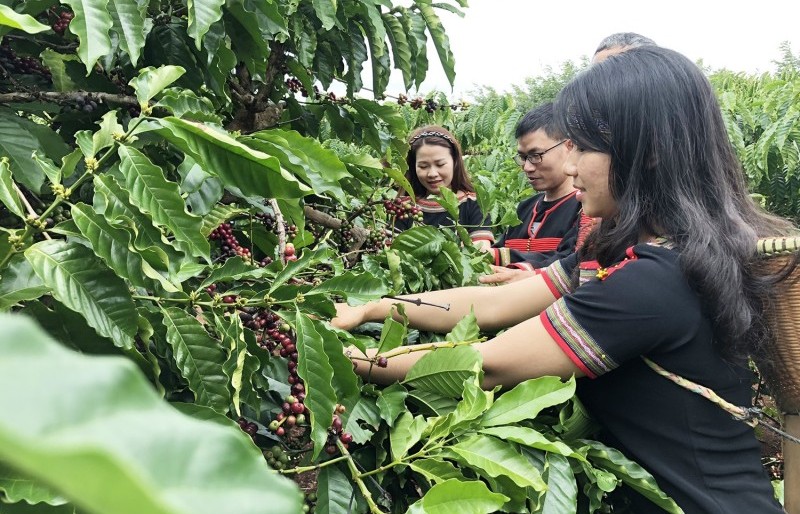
(435, 160)
(649, 152)
(541, 152)
(619, 42)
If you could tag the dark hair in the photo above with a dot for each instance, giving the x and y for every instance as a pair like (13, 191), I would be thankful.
(437, 136)
(540, 117)
(674, 174)
(624, 40)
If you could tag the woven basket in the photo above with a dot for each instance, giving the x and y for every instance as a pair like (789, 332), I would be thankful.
(781, 370)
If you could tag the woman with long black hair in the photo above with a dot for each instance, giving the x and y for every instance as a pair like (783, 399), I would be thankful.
(671, 275)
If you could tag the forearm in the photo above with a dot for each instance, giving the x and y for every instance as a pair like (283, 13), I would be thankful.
(494, 307)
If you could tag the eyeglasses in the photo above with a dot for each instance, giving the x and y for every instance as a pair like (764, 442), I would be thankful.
(536, 157)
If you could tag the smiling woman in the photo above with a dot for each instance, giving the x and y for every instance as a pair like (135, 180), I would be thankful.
(435, 161)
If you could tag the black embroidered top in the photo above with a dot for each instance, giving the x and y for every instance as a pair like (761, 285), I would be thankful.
(701, 457)
(469, 216)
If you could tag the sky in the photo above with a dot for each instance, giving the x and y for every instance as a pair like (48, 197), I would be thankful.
(499, 43)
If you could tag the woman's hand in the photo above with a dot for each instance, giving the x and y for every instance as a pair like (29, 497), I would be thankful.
(501, 275)
(347, 317)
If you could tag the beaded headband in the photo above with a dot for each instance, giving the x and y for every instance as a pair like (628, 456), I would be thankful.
(430, 134)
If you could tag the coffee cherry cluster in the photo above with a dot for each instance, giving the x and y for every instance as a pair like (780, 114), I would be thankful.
(294, 85)
(84, 103)
(378, 238)
(62, 22)
(266, 324)
(403, 209)
(228, 244)
(336, 432)
(270, 223)
(25, 65)
(249, 427)
(276, 457)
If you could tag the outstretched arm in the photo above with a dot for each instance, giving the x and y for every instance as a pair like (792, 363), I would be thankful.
(522, 352)
(495, 307)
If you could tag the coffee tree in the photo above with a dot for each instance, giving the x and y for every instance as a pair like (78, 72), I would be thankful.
(184, 196)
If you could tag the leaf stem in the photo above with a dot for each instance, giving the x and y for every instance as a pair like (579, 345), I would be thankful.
(373, 507)
(303, 469)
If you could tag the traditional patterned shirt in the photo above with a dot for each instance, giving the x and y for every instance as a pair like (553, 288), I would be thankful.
(469, 216)
(549, 231)
(643, 306)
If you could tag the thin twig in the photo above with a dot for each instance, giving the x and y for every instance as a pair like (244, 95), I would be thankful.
(67, 97)
(279, 225)
(418, 302)
(31, 211)
(373, 507)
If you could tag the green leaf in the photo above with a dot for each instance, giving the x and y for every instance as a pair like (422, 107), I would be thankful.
(91, 24)
(392, 402)
(113, 202)
(19, 144)
(464, 497)
(187, 104)
(364, 415)
(48, 168)
(527, 399)
(18, 488)
(104, 438)
(316, 371)
(202, 14)
(631, 473)
(423, 243)
(445, 370)
(129, 25)
(114, 246)
(465, 330)
(81, 282)
(326, 12)
(334, 492)
(8, 193)
(199, 358)
(393, 333)
(405, 433)
(151, 81)
(56, 63)
(306, 158)
(414, 24)
(440, 40)
(345, 381)
(241, 169)
(153, 194)
(562, 491)
(474, 403)
(10, 18)
(240, 365)
(219, 214)
(109, 128)
(19, 283)
(434, 403)
(307, 259)
(401, 51)
(533, 439)
(497, 458)
(449, 201)
(436, 471)
(360, 288)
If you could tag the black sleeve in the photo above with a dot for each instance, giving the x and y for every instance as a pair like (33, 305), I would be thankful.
(637, 306)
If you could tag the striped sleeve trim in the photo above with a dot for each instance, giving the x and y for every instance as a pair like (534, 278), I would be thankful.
(557, 279)
(575, 341)
(522, 265)
(504, 256)
(482, 235)
(495, 253)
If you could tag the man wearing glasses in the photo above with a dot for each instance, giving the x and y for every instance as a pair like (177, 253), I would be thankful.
(550, 218)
